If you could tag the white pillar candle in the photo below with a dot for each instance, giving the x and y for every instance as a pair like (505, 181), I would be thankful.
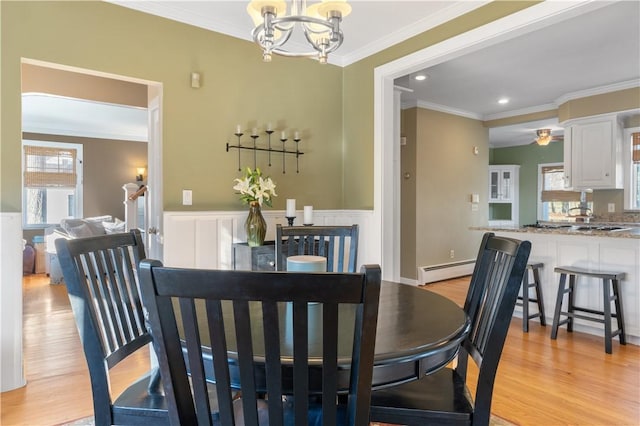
(308, 215)
(296, 135)
(283, 135)
(238, 129)
(269, 126)
(254, 131)
(291, 207)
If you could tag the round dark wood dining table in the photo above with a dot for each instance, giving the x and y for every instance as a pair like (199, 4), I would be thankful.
(418, 333)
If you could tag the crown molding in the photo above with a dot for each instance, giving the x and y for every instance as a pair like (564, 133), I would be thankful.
(522, 111)
(598, 91)
(457, 9)
(565, 98)
(441, 108)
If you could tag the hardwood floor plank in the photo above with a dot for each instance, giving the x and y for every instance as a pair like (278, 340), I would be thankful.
(58, 388)
(569, 381)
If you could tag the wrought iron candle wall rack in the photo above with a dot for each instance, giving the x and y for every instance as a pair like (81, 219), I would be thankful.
(255, 148)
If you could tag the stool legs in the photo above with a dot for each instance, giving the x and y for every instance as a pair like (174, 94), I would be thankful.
(619, 313)
(525, 302)
(558, 307)
(610, 292)
(538, 299)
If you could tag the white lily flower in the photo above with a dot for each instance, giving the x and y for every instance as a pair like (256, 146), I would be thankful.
(254, 188)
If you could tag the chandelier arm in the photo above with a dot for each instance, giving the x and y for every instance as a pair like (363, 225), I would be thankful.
(328, 37)
(260, 31)
(332, 45)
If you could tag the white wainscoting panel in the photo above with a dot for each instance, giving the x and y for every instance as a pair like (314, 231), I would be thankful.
(11, 365)
(205, 239)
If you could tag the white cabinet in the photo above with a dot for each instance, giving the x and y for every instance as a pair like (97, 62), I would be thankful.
(593, 153)
(503, 183)
(503, 195)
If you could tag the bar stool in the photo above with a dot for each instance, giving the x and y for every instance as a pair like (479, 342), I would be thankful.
(526, 285)
(606, 314)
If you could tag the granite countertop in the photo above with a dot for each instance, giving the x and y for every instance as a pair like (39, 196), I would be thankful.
(581, 229)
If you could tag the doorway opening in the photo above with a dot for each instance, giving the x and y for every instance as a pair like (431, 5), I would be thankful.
(118, 118)
(386, 212)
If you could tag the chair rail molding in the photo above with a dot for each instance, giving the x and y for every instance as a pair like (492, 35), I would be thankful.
(204, 239)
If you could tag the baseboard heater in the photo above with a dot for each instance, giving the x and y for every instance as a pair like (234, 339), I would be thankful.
(445, 271)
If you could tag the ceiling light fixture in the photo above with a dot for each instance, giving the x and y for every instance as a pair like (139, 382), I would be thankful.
(544, 137)
(320, 23)
(503, 101)
(420, 77)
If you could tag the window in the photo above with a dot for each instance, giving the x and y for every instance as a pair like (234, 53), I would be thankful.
(555, 203)
(632, 169)
(51, 182)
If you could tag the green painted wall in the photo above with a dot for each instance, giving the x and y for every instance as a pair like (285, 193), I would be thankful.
(528, 157)
(238, 88)
(332, 107)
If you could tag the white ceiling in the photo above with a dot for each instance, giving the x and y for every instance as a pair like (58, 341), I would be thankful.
(58, 115)
(596, 52)
(371, 26)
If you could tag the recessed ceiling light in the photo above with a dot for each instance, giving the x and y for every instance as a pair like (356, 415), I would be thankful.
(420, 77)
(503, 101)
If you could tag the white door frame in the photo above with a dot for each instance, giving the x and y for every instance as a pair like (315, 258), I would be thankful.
(386, 170)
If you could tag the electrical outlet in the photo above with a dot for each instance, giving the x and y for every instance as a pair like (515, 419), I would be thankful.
(187, 197)
(452, 254)
(612, 208)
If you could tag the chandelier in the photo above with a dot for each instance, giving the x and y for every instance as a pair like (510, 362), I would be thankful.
(543, 137)
(319, 22)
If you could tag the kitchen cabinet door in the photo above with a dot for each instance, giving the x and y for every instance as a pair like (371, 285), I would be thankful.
(595, 154)
(503, 182)
(503, 195)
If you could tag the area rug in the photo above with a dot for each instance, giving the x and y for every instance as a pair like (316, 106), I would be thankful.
(495, 421)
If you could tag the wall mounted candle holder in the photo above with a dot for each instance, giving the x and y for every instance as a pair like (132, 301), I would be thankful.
(255, 147)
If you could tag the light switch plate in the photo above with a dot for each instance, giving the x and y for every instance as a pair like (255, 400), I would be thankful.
(611, 208)
(187, 197)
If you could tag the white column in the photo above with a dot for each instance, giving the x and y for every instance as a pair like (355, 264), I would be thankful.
(11, 366)
(130, 206)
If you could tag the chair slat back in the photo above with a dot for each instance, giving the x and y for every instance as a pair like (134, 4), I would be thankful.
(101, 279)
(337, 243)
(493, 291)
(247, 318)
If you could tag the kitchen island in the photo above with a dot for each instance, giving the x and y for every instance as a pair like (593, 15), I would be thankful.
(585, 246)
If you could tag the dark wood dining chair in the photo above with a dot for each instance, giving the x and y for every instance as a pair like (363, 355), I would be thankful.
(249, 317)
(336, 243)
(101, 277)
(443, 397)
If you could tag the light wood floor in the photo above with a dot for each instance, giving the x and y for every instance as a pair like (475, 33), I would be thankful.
(570, 381)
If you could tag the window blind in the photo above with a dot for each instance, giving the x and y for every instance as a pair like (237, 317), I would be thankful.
(47, 167)
(635, 147)
(553, 184)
